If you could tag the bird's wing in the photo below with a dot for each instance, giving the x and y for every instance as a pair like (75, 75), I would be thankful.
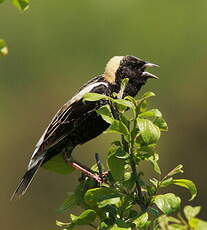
(70, 111)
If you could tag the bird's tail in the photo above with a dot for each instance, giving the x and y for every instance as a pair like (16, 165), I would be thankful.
(26, 180)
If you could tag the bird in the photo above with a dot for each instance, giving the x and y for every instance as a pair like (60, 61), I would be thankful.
(77, 121)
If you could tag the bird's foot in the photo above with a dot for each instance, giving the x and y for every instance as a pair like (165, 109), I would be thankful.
(84, 169)
(100, 177)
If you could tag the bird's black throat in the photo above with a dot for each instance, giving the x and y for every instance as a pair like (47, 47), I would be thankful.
(134, 85)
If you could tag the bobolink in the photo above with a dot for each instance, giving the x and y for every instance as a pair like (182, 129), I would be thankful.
(77, 122)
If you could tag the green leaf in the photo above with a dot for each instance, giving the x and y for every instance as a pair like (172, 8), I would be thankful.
(118, 127)
(142, 106)
(94, 97)
(150, 113)
(187, 184)
(103, 226)
(197, 224)
(151, 190)
(191, 212)
(68, 203)
(161, 123)
(3, 48)
(86, 217)
(62, 224)
(150, 133)
(176, 170)
(142, 103)
(153, 211)
(148, 95)
(1, 1)
(106, 114)
(173, 220)
(116, 227)
(153, 159)
(154, 181)
(166, 182)
(167, 203)
(114, 161)
(94, 196)
(73, 217)
(123, 118)
(129, 179)
(124, 83)
(149, 149)
(164, 223)
(121, 154)
(104, 203)
(125, 103)
(177, 227)
(105, 110)
(129, 98)
(81, 189)
(141, 221)
(21, 4)
(121, 225)
(58, 165)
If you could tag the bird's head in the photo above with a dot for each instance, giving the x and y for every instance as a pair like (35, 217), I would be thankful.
(133, 68)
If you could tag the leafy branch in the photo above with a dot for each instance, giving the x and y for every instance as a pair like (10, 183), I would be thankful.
(3, 48)
(21, 5)
(126, 200)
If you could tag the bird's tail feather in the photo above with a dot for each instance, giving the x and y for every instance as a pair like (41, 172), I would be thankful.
(26, 180)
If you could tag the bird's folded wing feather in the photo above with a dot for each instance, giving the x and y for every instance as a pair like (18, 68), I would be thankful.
(69, 112)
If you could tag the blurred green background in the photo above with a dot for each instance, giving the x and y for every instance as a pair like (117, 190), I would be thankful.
(58, 45)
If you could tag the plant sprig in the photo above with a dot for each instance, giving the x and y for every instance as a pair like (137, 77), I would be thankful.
(21, 5)
(127, 200)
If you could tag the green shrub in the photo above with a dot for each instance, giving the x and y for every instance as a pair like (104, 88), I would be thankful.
(126, 199)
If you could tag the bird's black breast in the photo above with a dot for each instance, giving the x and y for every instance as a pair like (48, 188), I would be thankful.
(132, 88)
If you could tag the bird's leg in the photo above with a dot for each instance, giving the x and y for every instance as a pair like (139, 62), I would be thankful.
(84, 169)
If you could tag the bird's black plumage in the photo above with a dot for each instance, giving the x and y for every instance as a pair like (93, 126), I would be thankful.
(77, 122)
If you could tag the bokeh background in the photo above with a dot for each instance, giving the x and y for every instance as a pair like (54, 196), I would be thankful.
(58, 45)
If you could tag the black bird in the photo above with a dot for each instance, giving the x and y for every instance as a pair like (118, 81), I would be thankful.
(77, 122)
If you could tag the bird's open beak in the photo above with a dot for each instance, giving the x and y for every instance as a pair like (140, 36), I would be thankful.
(147, 74)
(149, 65)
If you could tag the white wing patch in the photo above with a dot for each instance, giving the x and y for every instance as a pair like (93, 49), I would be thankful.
(85, 90)
(77, 97)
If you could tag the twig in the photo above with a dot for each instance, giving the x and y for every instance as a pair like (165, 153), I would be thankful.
(140, 200)
(114, 111)
(93, 226)
(98, 161)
